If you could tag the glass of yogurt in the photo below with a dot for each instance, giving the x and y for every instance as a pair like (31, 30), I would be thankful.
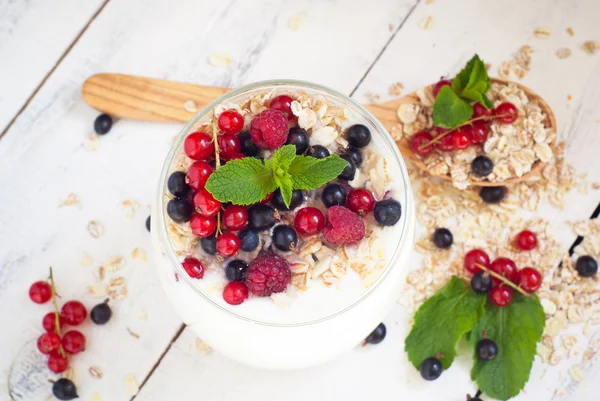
(342, 261)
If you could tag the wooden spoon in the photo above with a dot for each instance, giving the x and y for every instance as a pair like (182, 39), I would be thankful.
(148, 99)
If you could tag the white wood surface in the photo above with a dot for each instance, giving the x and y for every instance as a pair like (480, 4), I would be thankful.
(42, 159)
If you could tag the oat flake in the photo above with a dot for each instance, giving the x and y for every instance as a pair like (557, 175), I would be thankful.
(542, 32)
(591, 46)
(85, 259)
(71, 200)
(563, 53)
(219, 59)
(296, 21)
(131, 385)
(95, 228)
(426, 23)
(203, 347)
(139, 253)
(395, 89)
(95, 372)
(91, 142)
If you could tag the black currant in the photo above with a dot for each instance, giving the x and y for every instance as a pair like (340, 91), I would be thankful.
(431, 369)
(387, 212)
(64, 389)
(209, 244)
(297, 199)
(297, 136)
(236, 270)
(180, 210)
(356, 156)
(177, 184)
(101, 313)
(285, 238)
(486, 349)
(249, 240)
(481, 282)
(318, 151)
(442, 238)
(586, 266)
(261, 217)
(148, 223)
(248, 147)
(482, 166)
(103, 124)
(333, 195)
(358, 136)
(376, 335)
(349, 171)
(492, 194)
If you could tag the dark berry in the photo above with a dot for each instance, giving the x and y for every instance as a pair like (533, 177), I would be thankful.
(64, 389)
(180, 210)
(376, 335)
(481, 283)
(297, 136)
(318, 151)
(586, 266)
(333, 195)
(297, 199)
(101, 313)
(387, 212)
(442, 238)
(249, 240)
(482, 166)
(236, 270)
(487, 349)
(103, 124)
(248, 147)
(492, 194)
(148, 224)
(261, 217)
(285, 238)
(349, 171)
(431, 369)
(209, 245)
(177, 185)
(358, 136)
(356, 156)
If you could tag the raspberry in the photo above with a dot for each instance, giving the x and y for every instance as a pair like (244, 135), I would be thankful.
(268, 273)
(269, 129)
(343, 226)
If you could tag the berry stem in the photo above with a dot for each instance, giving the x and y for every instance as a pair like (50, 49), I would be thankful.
(217, 165)
(503, 279)
(56, 311)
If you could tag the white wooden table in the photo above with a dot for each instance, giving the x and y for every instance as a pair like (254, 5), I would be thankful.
(48, 48)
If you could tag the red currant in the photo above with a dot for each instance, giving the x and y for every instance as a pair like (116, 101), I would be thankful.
(40, 292)
(283, 103)
(501, 296)
(445, 143)
(199, 146)
(235, 292)
(526, 240)
(437, 87)
(418, 140)
(230, 122)
(506, 113)
(480, 131)
(228, 244)
(479, 110)
(529, 279)
(235, 217)
(309, 221)
(73, 342)
(193, 267)
(476, 257)
(49, 322)
(206, 204)
(360, 201)
(229, 145)
(268, 199)
(198, 174)
(462, 138)
(74, 313)
(203, 226)
(504, 267)
(48, 342)
(58, 363)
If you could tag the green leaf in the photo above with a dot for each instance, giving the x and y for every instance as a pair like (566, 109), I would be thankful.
(516, 329)
(285, 185)
(442, 320)
(242, 182)
(449, 110)
(487, 102)
(472, 82)
(309, 173)
(283, 157)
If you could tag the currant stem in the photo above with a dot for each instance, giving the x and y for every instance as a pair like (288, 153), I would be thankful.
(217, 165)
(56, 312)
(503, 279)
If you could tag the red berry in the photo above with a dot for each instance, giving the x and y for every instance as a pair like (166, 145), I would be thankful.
(283, 103)
(203, 226)
(40, 292)
(269, 129)
(267, 199)
(228, 244)
(529, 279)
(199, 146)
(462, 138)
(73, 342)
(479, 110)
(506, 113)
(230, 122)
(229, 145)
(49, 322)
(48, 342)
(501, 296)
(476, 257)
(193, 267)
(206, 204)
(74, 313)
(445, 143)
(235, 292)
(58, 363)
(418, 140)
(439, 85)
(309, 221)
(504, 267)
(526, 240)
(268, 273)
(343, 226)
(360, 201)
(480, 131)
(198, 174)
(235, 217)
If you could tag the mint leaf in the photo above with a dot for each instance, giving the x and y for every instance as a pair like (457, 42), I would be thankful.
(242, 182)
(449, 110)
(441, 321)
(285, 185)
(516, 329)
(487, 102)
(472, 82)
(283, 157)
(309, 173)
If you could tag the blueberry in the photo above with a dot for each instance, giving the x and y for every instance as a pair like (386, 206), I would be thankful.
(261, 217)
(442, 238)
(387, 212)
(358, 136)
(148, 223)
(492, 194)
(297, 199)
(355, 155)
(101, 313)
(481, 282)
(318, 151)
(431, 369)
(486, 349)
(376, 335)
(285, 238)
(586, 266)
(236, 270)
(177, 185)
(248, 147)
(349, 171)
(297, 136)
(103, 124)
(482, 166)
(64, 389)
(334, 195)
(180, 210)
(209, 244)
(249, 240)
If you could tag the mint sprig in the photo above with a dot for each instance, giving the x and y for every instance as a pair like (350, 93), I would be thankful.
(247, 181)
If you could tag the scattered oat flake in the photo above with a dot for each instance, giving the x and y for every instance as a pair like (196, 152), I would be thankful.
(97, 290)
(569, 97)
(131, 385)
(372, 97)
(190, 106)
(71, 200)
(296, 21)
(95, 372)
(85, 259)
(570, 31)
(591, 46)
(139, 253)
(96, 397)
(426, 23)
(576, 373)
(130, 206)
(143, 315)
(219, 59)
(115, 263)
(542, 32)
(395, 89)
(203, 347)
(95, 228)
(563, 53)
(91, 142)
(133, 333)
(99, 273)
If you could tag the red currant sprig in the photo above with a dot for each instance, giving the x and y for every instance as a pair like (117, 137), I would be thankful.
(57, 328)
(503, 279)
